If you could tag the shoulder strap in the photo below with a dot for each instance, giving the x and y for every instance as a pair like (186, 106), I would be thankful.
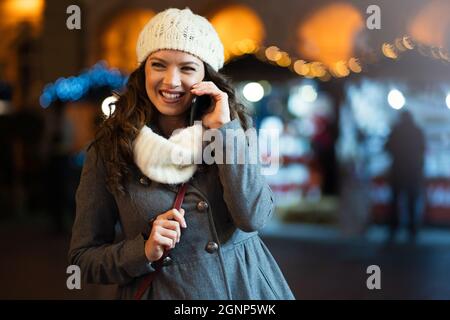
(147, 281)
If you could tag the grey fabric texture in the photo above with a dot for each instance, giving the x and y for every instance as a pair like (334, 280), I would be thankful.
(239, 203)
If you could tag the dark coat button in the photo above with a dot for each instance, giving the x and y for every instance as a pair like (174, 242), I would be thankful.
(144, 181)
(211, 247)
(202, 206)
(167, 261)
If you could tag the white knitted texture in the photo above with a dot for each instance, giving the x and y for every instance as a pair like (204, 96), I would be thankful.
(154, 155)
(181, 30)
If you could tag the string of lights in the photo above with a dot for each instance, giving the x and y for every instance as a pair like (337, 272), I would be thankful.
(75, 87)
(340, 69)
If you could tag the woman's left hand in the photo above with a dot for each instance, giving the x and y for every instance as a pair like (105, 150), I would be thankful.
(219, 112)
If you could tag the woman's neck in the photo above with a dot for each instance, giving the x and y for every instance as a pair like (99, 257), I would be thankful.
(168, 124)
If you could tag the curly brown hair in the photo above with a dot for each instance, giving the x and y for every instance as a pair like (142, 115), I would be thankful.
(114, 139)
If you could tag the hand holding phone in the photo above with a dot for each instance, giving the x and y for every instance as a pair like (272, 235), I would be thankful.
(218, 101)
(200, 105)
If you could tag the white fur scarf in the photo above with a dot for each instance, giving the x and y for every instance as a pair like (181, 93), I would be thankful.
(170, 160)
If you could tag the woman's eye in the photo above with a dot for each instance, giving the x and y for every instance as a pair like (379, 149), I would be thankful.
(189, 69)
(158, 65)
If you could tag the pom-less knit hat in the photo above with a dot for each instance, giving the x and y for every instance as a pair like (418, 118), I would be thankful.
(181, 30)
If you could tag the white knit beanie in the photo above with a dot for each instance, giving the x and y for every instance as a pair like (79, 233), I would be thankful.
(181, 30)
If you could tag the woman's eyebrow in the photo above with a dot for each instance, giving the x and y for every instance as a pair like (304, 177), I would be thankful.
(190, 62)
(182, 63)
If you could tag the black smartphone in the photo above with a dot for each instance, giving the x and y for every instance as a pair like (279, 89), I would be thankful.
(199, 107)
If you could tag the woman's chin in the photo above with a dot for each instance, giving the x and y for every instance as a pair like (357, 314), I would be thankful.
(171, 111)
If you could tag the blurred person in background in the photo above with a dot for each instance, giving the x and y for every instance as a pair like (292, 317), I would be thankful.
(406, 145)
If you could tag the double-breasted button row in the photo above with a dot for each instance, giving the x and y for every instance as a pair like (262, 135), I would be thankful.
(211, 247)
(167, 261)
(202, 206)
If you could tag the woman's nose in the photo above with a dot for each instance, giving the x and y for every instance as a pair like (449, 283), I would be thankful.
(172, 78)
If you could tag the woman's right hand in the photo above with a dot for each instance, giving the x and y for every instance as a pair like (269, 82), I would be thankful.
(165, 233)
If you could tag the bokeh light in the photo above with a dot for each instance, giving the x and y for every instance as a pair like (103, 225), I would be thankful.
(108, 106)
(118, 42)
(328, 35)
(253, 91)
(431, 25)
(74, 88)
(308, 93)
(396, 99)
(15, 11)
(240, 29)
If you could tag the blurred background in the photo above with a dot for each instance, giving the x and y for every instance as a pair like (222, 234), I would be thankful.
(363, 115)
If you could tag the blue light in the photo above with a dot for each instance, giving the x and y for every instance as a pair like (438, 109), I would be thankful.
(63, 89)
(77, 89)
(74, 88)
(45, 100)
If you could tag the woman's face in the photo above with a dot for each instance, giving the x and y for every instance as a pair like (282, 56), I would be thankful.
(169, 76)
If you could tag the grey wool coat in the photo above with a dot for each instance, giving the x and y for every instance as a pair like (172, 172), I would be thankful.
(219, 256)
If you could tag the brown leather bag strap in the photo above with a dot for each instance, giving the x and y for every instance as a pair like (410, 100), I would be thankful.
(158, 264)
(180, 196)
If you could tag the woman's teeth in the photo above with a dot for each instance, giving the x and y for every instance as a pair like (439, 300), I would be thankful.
(171, 96)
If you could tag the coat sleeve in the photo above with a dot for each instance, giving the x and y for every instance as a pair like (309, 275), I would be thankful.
(92, 246)
(245, 191)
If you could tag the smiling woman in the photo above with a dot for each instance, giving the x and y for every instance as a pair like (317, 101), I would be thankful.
(169, 77)
(128, 178)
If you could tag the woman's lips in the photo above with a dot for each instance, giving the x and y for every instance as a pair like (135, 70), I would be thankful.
(171, 98)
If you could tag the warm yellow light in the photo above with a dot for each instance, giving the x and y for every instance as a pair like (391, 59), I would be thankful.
(119, 38)
(260, 54)
(354, 65)
(328, 35)
(246, 46)
(310, 74)
(284, 60)
(21, 10)
(332, 72)
(317, 69)
(227, 56)
(301, 68)
(407, 43)
(389, 51)
(273, 53)
(341, 70)
(243, 47)
(431, 24)
(240, 29)
(235, 50)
